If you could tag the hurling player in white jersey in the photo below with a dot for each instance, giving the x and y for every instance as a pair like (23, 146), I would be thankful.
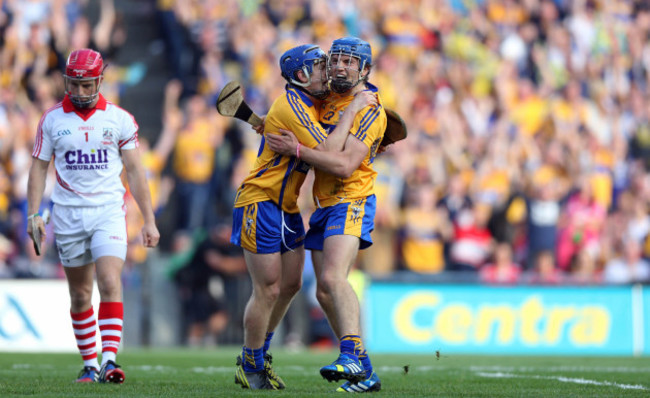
(91, 140)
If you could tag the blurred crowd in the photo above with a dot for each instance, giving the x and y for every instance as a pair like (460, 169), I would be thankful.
(528, 155)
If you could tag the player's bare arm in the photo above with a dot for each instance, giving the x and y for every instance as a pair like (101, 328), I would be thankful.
(341, 164)
(135, 175)
(336, 139)
(35, 188)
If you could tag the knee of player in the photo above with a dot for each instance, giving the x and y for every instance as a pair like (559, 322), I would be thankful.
(269, 293)
(323, 293)
(109, 287)
(328, 281)
(80, 296)
(292, 288)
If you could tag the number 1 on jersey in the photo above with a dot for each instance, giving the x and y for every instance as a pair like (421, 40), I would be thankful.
(86, 133)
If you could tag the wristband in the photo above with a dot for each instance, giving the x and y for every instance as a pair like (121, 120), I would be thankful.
(298, 150)
(34, 215)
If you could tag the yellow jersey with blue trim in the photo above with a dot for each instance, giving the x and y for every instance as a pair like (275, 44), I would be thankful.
(369, 126)
(276, 177)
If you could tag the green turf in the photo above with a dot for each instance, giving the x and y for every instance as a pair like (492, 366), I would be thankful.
(210, 373)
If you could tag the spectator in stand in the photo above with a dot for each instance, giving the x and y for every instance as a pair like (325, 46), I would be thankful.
(545, 271)
(584, 269)
(472, 243)
(503, 270)
(194, 159)
(580, 225)
(543, 214)
(629, 266)
(424, 230)
(455, 199)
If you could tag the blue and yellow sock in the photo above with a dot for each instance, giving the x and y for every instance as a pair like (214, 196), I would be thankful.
(267, 342)
(365, 361)
(349, 345)
(252, 359)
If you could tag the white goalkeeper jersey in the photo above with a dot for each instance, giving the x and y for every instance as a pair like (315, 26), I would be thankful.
(86, 148)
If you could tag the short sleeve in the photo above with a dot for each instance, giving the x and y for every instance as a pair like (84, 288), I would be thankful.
(43, 148)
(369, 125)
(128, 131)
(302, 120)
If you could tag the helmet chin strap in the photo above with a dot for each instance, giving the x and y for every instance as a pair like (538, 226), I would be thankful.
(82, 104)
(342, 86)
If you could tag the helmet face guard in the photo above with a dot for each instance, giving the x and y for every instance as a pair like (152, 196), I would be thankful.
(352, 47)
(82, 101)
(305, 58)
(83, 66)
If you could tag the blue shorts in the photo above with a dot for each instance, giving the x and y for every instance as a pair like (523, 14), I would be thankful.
(355, 218)
(259, 228)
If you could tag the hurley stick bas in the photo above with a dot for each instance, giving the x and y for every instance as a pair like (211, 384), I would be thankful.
(395, 128)
(231, 103)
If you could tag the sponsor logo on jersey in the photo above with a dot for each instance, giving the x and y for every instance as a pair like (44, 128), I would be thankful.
(97, 159)
(61, 133)
(107, 136)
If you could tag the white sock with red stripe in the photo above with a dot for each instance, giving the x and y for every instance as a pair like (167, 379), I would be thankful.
(85, 328)
(111, 316)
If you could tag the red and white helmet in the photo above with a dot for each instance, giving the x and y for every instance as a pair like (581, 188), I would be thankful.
(83, 65)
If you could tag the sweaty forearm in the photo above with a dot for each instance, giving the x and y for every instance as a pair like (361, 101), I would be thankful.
(140, 191)
(335, 163)
(36, 185)
(336, 139)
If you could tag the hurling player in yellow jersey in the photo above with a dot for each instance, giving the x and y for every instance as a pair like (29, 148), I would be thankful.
(266, 220)
(344, 194)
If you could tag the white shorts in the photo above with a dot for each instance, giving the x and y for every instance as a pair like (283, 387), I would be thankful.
(83, 234)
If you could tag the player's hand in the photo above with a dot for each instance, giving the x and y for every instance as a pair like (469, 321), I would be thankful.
(260, 129)
(150, 235)
(284, 143)
(363, 99)
(36, 222)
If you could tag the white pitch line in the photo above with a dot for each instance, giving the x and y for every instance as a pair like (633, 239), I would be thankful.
(604, 369)
(564, 380)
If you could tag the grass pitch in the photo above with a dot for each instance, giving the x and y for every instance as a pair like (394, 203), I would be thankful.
(210, 373)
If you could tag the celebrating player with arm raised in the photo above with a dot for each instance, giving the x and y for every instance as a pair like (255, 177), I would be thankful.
(344, 193)
(266, 219)
(91, 141)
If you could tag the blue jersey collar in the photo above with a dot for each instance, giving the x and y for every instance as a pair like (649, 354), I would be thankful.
(371, 87)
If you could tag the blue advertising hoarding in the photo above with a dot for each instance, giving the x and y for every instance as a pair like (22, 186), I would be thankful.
(530, 320)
